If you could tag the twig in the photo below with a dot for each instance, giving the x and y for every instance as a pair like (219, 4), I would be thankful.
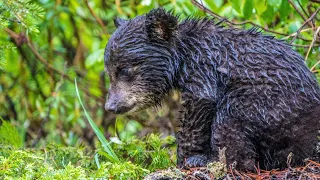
(308, 20)
(231, 171)
(119, 7)
(295, 34)
(96, 17)
(311, 45)
(39, 57)
(239, 174)
(316, 71)
(314, 66)
(289, 159)
(300, 13)
(305, 46)
(304, 11)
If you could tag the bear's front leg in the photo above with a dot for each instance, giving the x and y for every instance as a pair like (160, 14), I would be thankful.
(194, 136)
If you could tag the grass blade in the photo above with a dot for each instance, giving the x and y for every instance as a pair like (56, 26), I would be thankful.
(105, 144)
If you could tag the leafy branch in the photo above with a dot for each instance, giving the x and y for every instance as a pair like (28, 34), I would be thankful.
(22, 12)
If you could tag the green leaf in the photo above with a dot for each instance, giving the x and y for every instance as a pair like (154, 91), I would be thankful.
(247, 9)
(209, 4)
(274, 3)
(260, 6)
(304, 2)
(213, 4)
(218, 3)
(294, 26)
(95, 57)
(268, 15)
(146, 2)
(107, 155)
(96, 159)
(284, 10)
(236, 4)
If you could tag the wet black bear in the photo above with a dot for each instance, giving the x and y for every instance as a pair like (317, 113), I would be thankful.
(241, 90)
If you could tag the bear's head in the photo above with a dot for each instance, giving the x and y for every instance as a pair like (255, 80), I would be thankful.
(139, 59)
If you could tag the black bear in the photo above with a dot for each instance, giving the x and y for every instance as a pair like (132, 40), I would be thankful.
(241, 89)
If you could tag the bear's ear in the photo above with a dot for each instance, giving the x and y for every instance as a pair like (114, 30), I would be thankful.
(119, 21)
(161, 24)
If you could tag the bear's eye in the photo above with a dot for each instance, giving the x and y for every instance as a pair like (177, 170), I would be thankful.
(124, 73)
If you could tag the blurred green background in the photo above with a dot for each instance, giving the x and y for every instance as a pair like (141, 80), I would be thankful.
(46, 44)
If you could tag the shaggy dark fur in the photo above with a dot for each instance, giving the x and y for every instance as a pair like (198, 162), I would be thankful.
(241, 90)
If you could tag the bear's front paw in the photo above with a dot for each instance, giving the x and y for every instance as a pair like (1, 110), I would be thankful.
(196, 161)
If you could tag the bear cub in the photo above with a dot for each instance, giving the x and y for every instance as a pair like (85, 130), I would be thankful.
(241, 90)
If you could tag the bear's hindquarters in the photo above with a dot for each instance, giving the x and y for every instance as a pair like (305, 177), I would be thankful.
(251, 144)
(299, 137)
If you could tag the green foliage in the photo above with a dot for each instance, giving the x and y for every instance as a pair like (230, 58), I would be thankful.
(17, 164)
(9, 135)
(150, 152)
(40, 164)
(70, 172)
(284, 10)
(23, 12)
(4, 48)
(248, 8)
(65, 155)
(237, 4)
(121, 171)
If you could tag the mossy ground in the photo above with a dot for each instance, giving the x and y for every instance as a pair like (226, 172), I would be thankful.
(138, 158)
(148, 157)
(138, 162)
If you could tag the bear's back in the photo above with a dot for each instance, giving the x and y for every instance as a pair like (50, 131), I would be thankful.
(260, 78)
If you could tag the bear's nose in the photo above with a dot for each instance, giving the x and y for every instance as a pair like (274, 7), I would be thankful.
(110, 106)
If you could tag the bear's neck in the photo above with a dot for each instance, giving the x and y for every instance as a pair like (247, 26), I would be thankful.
(197, 72)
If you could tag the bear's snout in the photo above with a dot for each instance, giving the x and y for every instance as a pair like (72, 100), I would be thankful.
(110, 106)
(116, 102)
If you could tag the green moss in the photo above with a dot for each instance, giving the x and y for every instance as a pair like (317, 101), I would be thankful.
(69, 172)
(218, 169)
(120, 171)
(41, 164)
(138, 158)
(170, 173)
(150, 152)
(60, 156)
